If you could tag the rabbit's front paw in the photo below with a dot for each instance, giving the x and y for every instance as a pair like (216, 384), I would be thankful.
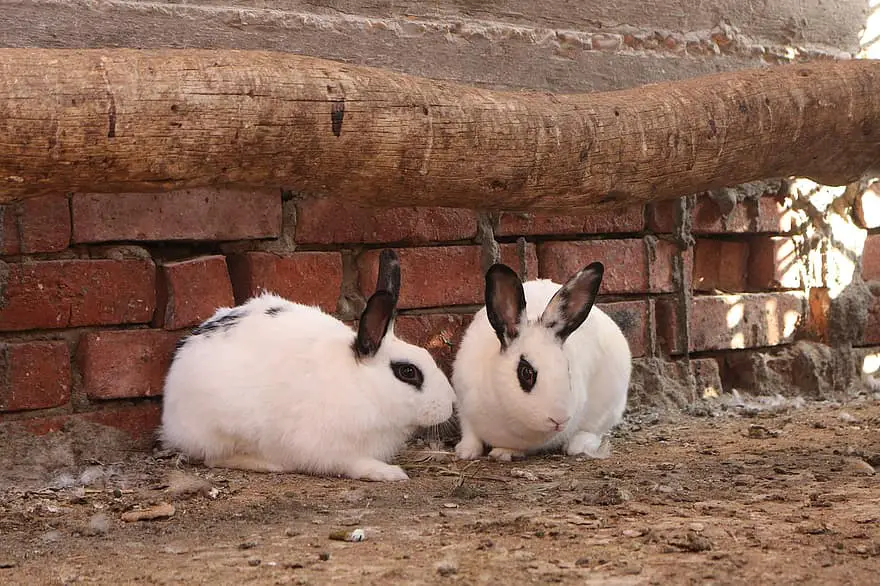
(588, 444)
(505, 455)
(377, 471)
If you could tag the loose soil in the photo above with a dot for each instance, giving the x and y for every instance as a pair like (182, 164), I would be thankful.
(777, 495)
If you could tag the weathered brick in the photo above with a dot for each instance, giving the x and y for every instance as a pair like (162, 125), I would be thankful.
(871, 258)
(125, 363)
(774, 263)
(706, 217)
(867, 207)
(439, 276)
(722, 322)
(632, 318)
(189, 291)
(36, 224)
(140, 421)
(440, 334)
(872, 326)
(311, 278)
(631, 219)
(766, 214)
(334, 221)
(630, 267)
(774, 217)
(660, 383)
(34, 375)
(819, 302)
(193, 214)
(71, 293)
(720, 264)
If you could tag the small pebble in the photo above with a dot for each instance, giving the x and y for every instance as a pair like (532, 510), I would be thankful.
(450, 505)
(447, 568)
(324, 556)
(253, 562)
(290, 532)
(8, 564)
(50, 537)
(99, 524)
(698, 527)
(355, 535)
(632, 533)
(160, 511)
(247, 545)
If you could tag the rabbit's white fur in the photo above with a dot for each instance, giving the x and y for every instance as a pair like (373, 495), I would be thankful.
(282, 390)
(585, 381)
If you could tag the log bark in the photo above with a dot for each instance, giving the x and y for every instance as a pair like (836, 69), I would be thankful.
(123, 120)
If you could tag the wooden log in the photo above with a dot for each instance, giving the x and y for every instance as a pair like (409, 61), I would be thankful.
(123, 120)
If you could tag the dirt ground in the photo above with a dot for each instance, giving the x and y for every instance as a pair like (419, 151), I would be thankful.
(785, 493)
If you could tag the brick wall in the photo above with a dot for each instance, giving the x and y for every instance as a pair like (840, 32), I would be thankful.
(96, 289)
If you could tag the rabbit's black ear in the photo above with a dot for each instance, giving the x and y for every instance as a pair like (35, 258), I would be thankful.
(374, 323)
(505, 302)
(571, 305)
(389, 273)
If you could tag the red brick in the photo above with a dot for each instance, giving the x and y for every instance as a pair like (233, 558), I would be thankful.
(125, 363)
(440, 334)
(872, 325)
(632, 318)
(36, 224)
(631, 219)
(189, 291)
(34, 375)
(333, 221)
(311, 278)
(439, 276)
(140, 422)
(194, 214)
(774, 217)
(867, 207)
(627, 266)
(722, 322)
(71, 293)
(871, 258)
(706, 217)
(766, 214)
(820, 306)
(774, 263)
(721, 265)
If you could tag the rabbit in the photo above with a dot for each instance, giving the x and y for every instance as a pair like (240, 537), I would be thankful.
(276, 386)
(540, 368)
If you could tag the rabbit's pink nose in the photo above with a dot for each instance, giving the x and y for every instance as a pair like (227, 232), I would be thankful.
(560, 422)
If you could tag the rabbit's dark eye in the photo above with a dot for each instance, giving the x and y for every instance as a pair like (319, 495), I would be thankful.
(527, 375)
(408, 373)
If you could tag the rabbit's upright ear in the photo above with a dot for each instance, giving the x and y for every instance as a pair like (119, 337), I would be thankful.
(389, 273)
(571, 305)
(505, 302)
(374, 322)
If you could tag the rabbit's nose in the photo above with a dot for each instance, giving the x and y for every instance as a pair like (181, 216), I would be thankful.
(559, 423)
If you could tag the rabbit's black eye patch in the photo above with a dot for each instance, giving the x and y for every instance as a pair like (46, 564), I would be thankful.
(409, 373)
(526, 374)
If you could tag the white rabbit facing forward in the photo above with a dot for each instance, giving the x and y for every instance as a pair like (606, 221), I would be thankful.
(540, 368)
(275, 386)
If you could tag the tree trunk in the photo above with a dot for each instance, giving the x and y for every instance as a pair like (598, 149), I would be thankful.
(123, 120)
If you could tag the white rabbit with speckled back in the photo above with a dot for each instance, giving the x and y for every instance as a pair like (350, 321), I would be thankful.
(276, 386)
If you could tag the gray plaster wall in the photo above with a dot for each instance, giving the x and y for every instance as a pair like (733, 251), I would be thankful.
(557, 45)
